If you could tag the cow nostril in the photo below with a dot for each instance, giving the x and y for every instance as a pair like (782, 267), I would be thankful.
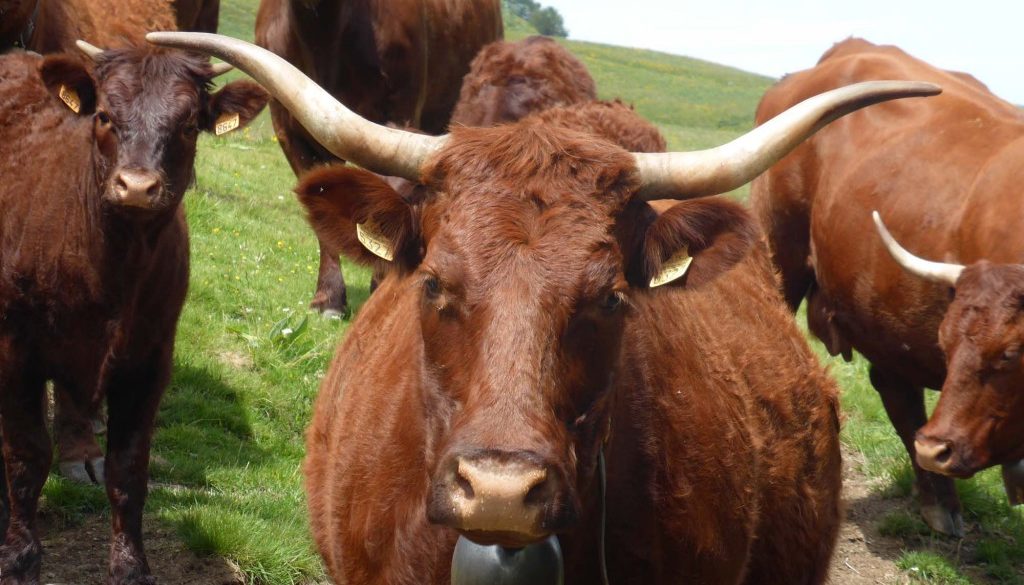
(491, 481)
(465, 486)
(120, 185)
(539, 493)
(934, 455)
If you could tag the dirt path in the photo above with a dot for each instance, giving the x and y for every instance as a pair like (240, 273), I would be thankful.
(863, 555)
(78, 556)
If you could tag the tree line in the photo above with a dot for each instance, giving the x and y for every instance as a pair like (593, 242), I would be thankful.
(545, 19)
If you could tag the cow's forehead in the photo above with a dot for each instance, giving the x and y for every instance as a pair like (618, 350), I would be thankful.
(541, 161)
(156, 82)
(996, 286)
(500, 240)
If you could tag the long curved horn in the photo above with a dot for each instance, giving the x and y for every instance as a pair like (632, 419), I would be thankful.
(685, 175)
(383, 150)
(91, 50)
(221, 68)
(933, 271)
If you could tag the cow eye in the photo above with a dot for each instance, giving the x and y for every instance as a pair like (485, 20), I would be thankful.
(612, 302)
(102, 118)
(432, 287)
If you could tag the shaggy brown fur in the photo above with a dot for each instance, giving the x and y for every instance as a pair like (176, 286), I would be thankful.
(108, 24)
(510, 80)
(399, 61)
(92, 280)
(518, 321)
(945, 175)
(104, 23)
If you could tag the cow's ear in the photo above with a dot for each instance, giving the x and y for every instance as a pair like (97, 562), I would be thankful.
(70, 82)
(690, 243)
(234, 106)
(357, 214)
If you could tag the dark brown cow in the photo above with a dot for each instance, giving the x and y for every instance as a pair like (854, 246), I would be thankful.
(197, 15)
(399, 61)
(53, 26)
(518, 336)
(945, 176)
(510, 80)
(94, 263)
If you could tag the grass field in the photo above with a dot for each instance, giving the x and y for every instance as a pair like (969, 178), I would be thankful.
(229, 443)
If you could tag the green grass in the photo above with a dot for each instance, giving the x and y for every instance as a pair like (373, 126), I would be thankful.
(229, 443)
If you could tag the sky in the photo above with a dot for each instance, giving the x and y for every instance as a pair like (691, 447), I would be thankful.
(982, 37)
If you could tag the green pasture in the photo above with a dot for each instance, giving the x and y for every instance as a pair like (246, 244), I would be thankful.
(228, 449)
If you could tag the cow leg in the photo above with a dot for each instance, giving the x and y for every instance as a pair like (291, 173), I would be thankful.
(330, 297)
(304, 153)
(904, 403)
(133, 396)
(27, 454)
(1013, 480)
(78, 452)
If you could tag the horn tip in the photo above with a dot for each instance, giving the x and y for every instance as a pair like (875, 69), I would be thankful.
(879, 224)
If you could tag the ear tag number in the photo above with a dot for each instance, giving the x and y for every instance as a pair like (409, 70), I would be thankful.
(226, 123)
(371, 239)
(673, 269)
(70, 98)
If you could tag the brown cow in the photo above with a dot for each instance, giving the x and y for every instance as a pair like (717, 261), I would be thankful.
(510, 80)
(946, 177)
(94, 263)
(54, 26)
(399, 61)
(518, 336)
(106, 23)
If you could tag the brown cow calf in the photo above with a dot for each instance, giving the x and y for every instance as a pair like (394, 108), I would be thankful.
(510, 80)
(53, 26)
(519, 335)
(94, 263)
(946, 175)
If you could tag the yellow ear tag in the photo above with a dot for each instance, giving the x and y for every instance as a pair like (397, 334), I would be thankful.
(226, 123)
(70, 98)
(673, 269)
(374, 241)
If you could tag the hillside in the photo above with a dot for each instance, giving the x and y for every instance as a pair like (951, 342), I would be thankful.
(227, 454)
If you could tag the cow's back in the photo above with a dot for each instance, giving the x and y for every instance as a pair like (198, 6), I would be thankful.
(104, 23)
(918, 162)
(38, 207)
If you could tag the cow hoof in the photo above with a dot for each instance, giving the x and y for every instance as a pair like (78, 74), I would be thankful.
(345, 313)
(19, 562)
(943, 521)
(90, 471)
